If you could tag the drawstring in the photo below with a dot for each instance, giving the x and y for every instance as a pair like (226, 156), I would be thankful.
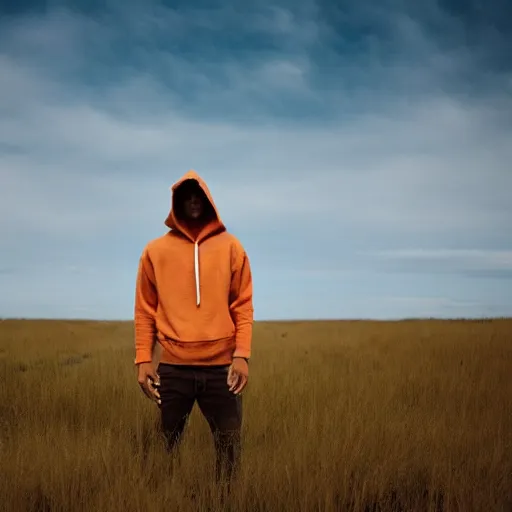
(196, 268)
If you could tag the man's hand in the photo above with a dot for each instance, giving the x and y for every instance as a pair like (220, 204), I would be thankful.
(238, 375)
(149, 381)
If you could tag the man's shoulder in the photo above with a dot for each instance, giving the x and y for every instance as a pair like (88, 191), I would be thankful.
(236, 248)
(156, 243)
(232, 240)
(163, 241)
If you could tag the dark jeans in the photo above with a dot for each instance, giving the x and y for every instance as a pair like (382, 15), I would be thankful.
(180, 387)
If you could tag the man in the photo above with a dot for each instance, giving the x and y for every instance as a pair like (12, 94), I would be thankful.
(194, 297)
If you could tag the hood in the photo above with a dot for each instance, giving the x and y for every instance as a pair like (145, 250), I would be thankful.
(213, 226)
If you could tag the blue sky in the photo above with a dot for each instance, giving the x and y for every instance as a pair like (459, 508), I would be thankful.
(359, 150)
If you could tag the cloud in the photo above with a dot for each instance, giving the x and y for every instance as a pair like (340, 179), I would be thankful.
(331, 138)
(470, 258)
(400, 163)
(430, 307)
(471, 262)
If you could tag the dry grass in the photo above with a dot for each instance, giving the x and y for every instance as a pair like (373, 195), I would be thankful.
(412, 415)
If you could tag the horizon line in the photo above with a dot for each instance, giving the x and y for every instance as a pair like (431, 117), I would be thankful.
(282, 320)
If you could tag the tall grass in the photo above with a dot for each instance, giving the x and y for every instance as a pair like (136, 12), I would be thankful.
(362, 416)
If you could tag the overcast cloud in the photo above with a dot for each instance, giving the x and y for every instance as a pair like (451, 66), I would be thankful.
(360, 151)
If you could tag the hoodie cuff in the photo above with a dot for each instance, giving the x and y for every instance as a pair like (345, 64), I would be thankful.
(245, 354)
(143, 357)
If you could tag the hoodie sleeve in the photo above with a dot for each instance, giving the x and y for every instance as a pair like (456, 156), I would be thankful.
(241, 306)
(146, 301)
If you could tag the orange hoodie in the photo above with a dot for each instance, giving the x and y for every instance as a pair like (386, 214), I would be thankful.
(194, 293)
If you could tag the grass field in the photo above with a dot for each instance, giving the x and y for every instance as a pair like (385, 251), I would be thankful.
(349, 415)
